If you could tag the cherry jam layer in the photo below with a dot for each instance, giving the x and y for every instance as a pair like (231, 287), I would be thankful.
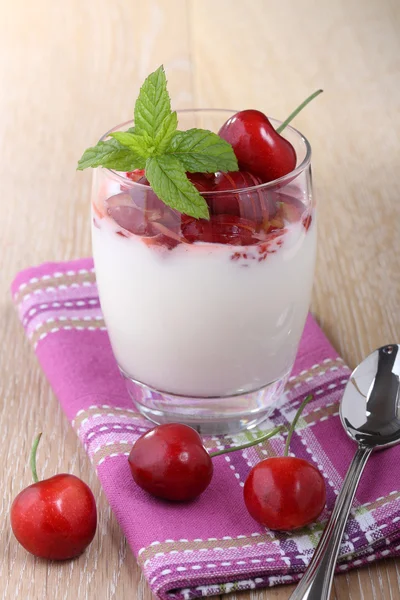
(245, 218)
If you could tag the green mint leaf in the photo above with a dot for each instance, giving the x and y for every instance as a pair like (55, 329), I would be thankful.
(111, 155)
(153, 104)
(202, 151)
(139, 145)
(166, 133)
(169, 181)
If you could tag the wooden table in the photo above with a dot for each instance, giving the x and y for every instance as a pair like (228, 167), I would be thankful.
(70, 70)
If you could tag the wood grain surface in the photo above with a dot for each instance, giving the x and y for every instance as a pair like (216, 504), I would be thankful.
(71, 69)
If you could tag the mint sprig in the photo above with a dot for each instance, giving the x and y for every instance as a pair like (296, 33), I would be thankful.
(154, 144)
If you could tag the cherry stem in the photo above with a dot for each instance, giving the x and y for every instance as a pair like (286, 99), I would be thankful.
(302, 406)
(33, 458)
(249, 444)
(297, 110)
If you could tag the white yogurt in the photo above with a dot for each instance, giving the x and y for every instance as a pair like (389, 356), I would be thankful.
(193, 321)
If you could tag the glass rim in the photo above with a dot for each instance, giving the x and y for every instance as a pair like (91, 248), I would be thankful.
(262, 186)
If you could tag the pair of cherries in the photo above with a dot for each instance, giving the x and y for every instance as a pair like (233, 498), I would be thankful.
(282, 493)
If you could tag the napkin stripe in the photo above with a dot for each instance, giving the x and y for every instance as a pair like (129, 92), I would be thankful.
(215, 544)
(53, 309)
(316, 370)
(49, 283)
(106, 410)
(109, 451)
(58, 300)
(55, 326)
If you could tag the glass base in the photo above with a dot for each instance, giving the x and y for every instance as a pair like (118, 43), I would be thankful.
(209, 416)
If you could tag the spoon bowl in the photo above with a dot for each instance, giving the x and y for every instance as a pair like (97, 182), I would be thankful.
(370, 407)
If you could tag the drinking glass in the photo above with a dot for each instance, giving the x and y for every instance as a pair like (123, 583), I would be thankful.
(205, 317)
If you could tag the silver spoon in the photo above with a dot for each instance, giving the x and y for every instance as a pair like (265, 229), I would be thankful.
(370, 414)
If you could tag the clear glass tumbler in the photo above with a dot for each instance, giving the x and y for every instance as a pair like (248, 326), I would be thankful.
(205, 317)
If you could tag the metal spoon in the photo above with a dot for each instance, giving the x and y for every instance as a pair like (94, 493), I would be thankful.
(370, 414)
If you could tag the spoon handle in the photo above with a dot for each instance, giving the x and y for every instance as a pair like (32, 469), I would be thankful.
(316, 582)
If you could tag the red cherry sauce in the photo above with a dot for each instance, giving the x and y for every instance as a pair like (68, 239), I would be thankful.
(248, 214)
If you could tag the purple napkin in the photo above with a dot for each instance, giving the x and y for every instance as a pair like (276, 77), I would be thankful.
(211, 545)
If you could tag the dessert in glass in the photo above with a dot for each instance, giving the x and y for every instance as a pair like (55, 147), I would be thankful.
(205, 316)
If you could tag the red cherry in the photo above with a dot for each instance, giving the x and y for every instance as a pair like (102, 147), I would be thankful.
(258, 147)
(234, 180)
(204, 182)
(240, 204)
(143, 179)
(142, 213)
(253, 205)
(55, 518)
(126, 214)
(171, 462)
(284, 493)
(221, 229)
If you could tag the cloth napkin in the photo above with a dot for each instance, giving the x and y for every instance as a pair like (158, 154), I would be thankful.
(210, 545)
